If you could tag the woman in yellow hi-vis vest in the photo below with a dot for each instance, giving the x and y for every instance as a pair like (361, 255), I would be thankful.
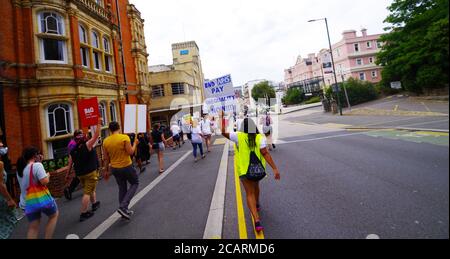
(250, 159)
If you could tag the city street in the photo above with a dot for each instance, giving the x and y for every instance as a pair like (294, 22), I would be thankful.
(340, 178)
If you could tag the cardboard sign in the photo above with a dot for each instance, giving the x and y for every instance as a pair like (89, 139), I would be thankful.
(88, 111)
(135, 119)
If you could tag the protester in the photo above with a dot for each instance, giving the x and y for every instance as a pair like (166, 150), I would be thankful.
(266, 122)
(8, 220)
(197, 140)
(250, 157)
(187, 125)
(38, 198)
(84, 160)
(70, 176)
(117, 150)
(176, 135)
(205, 126)
(143, 151)
(180, 125)
(158, 141)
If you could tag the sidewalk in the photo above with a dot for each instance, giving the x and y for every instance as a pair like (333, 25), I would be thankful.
(286, 110)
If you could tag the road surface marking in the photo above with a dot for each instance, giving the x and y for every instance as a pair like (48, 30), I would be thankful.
(100, 229)
(214, 223)
(72, 236)
(239, 206)
(220, 141)
(426, 107)
(396, 108)
(328, 137)
(423, 123)
(373, 236)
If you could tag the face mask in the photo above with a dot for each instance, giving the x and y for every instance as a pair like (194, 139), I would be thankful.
(3, 151)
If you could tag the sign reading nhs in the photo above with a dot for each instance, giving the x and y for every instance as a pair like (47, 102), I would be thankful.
(184, 52)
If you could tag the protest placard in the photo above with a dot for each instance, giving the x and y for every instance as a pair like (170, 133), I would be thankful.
(135, 119)
(88, 112)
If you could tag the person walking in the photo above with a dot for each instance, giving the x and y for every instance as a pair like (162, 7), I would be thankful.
(83, 159)
(117, 150)
(158, 141)
(205, 126)
(8, 206)
(38, 198)
(267, 122)
(176, 131)
(250, 163)
(143, 151)
(70, 176)
(197, 140)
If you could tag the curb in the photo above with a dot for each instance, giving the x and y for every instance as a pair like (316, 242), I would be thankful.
(396, 128)
(302, 108)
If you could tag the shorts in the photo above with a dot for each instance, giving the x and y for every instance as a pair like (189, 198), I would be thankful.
(50, 211)
(89, 182)
(208, 136)
(244, 177)
(176, 138)
(159, 146)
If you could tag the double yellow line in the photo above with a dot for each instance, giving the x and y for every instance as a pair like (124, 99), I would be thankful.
(240, 211)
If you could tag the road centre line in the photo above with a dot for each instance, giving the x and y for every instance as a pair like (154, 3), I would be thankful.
(214, 223)
(100, 229)
(242, 226)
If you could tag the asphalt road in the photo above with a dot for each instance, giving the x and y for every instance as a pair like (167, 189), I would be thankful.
(335, 184)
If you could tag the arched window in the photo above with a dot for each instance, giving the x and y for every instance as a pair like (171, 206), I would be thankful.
(95, 41)
(112, 110)
(97, 54)
(102, 111)
(108, 56)
(59, 119)
(84, 49)
(52, 38)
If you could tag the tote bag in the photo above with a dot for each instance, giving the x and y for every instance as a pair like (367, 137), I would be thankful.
(38, 196)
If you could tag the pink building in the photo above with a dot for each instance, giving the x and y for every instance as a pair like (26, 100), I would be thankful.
(354, 56)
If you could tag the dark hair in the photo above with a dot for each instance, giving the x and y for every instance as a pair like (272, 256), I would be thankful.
(156, 126)
(77, 132)
(114, 126)
(249, 127)
(28, 154)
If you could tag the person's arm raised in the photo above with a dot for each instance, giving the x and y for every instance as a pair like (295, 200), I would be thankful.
(223, 126)
(90, 144)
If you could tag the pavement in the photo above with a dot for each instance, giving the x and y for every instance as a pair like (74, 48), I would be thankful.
(337, 182)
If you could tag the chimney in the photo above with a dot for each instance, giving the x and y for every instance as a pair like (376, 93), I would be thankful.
(349, 34)
(364, 32)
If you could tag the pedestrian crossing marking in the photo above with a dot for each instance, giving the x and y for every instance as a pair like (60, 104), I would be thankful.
(220, 141)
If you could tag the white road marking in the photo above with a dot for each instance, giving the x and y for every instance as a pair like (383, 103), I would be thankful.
(72, 236)
(373, 236)
(321, 138)
(213, 229)
(100, 229)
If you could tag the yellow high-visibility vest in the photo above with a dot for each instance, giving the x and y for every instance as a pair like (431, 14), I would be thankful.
(242, 153)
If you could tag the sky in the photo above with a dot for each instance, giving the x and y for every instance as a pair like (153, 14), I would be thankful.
(253, 39)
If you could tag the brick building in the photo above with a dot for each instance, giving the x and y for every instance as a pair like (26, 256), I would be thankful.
(55, 52)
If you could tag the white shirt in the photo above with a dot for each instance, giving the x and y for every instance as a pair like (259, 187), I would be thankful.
(239, 124)
(205, 126)
(234, 138)
(196, 137)
(175, 129)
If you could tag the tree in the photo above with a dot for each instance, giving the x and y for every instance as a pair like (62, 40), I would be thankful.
(293, 96)
(263, 90)
(416, 50)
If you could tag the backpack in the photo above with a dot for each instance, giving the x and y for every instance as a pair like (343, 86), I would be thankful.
(256, 170)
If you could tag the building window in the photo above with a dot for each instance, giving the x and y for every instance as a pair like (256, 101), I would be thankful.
(52, 38)
(108, 56)
(374, 74)
(369, 44)
(157, 91)
(177, 88)
(112, 110)
(99, 2)
(83, 34)
(102, 111)
(59, 119)
(95, 41)
(359, 62)
(371, 60)
(362, 76)
(356, 45)
(97, 60)
(84, 57)
(379, 44)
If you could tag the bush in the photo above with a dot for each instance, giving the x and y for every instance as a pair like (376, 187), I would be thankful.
(293, 96)
(315, 99)
(358, 92)
(383, 90)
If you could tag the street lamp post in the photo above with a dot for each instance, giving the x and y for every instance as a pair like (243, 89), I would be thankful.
(332, 61)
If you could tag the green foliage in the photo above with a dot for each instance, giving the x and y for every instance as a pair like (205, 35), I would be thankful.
(263, 90)
(314, 99)
(416, 50)
(358, 92)
(293, 96)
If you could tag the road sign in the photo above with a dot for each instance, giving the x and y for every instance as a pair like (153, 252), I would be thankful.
(396, 85)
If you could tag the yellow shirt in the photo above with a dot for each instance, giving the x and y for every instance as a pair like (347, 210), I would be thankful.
(115, 146)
